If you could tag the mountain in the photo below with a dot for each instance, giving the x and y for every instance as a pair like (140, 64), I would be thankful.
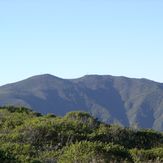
(126, 101)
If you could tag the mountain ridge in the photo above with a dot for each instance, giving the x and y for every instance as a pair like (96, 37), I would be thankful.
(112, 99)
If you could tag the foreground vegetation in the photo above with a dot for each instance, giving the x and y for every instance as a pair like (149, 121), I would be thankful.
(29, 137)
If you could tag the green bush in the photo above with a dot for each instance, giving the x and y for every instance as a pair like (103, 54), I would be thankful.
(153, 155)
(29, 137)
(86, 151)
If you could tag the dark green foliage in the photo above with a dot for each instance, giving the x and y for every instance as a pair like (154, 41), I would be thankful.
(6, 157)
(13, 109)
(145, 139)
(26, 136)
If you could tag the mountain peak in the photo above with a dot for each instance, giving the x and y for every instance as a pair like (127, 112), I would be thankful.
(44, 76)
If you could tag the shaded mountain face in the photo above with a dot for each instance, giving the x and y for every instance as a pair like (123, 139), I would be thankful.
(129, 102)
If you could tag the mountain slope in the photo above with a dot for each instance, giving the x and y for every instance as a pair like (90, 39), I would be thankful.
(130, 102)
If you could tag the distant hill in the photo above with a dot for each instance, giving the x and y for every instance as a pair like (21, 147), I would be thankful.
(126, 101)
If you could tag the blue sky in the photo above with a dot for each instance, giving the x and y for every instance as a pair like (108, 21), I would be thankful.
(71, 38)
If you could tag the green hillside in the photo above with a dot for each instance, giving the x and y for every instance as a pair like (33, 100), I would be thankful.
(29, 137)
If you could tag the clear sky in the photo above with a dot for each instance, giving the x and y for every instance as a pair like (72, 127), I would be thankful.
(72, 38)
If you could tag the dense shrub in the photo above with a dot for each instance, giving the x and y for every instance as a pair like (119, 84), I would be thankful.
(152, 155)
(29, 137)
(86, 151)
